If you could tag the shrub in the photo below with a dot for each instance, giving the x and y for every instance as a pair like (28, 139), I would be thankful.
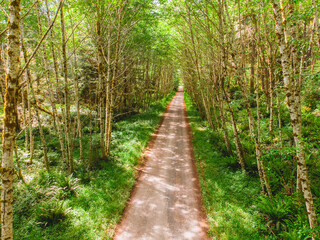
(54, 158)
(36, 131)
(277, 212)
(50, 213)
(281, 169)
(68, 186)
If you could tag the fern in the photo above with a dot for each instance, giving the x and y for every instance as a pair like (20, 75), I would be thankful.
(276, 212)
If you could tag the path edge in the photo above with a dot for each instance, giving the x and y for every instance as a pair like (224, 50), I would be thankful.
(197, 186)
(140, 169)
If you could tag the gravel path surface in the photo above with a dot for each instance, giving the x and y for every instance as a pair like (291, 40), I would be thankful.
(166, 202)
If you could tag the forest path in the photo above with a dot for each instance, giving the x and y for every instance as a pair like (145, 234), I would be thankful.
(166, 202)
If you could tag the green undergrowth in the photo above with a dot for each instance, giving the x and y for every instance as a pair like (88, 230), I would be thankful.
(228, 194)
(232, 199)
(89, 203)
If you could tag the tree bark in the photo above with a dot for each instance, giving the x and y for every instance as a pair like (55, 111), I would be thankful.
(108, 94)
(34, 102)
(54, 109)
(2, 74)
(113, 79)
(67, 119)
(76, 90)
(254, 135)
(292, 91)
(30, 120)
(9, 120)
(25, 124)
(223, 124)
(279, 120)
(101, 78)
(239, 148)
(271, 83)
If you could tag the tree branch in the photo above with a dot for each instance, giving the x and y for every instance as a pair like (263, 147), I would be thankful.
(26, 14)
(39, 44)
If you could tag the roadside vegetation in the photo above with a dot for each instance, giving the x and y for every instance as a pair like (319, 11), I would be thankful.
(232, 198)
(89, 203)
(76, 75)
(252, 68)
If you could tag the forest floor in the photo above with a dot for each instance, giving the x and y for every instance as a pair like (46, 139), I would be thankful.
(166, 202)
(230, 196)
(89, 203)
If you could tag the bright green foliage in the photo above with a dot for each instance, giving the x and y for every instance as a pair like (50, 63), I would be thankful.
(277, 212)
(87, 204)
(281, 169)
(50, 213)
(156, 40)
(225, 190)
(232, 199)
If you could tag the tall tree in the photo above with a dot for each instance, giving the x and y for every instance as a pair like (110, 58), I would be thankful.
(10, 120)
(67, 118)
(292, 88)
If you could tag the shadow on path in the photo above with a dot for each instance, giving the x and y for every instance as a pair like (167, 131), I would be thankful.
(166, 201)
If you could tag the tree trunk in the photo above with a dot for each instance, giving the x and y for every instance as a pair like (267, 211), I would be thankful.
(271, 70)
(76, 90)
(316, 20)
(292, 90)
(30, 120)
(54, 109)
(206, 108)
(223, 124)
(55, 62)
(19, 173)
(9, 120)
(239, 148)
(34, 102)
(2, 73)
(108, 94)
(279, 120)
(25, 124)
(254, 135)
(101, 78)
(215, 117)
(113, 79)
(66, 95)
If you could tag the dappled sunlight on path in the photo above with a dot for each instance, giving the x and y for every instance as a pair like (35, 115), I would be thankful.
(165, 203)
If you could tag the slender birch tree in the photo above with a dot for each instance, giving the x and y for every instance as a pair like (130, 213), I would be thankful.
(292, 88)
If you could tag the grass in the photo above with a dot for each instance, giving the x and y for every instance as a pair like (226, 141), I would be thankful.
(88, 204)
(235, 208)
(228, 194)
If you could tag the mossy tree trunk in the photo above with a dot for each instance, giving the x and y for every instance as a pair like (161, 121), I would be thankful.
(9, 121)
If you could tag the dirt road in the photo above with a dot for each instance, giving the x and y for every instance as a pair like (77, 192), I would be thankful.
(165, 203)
